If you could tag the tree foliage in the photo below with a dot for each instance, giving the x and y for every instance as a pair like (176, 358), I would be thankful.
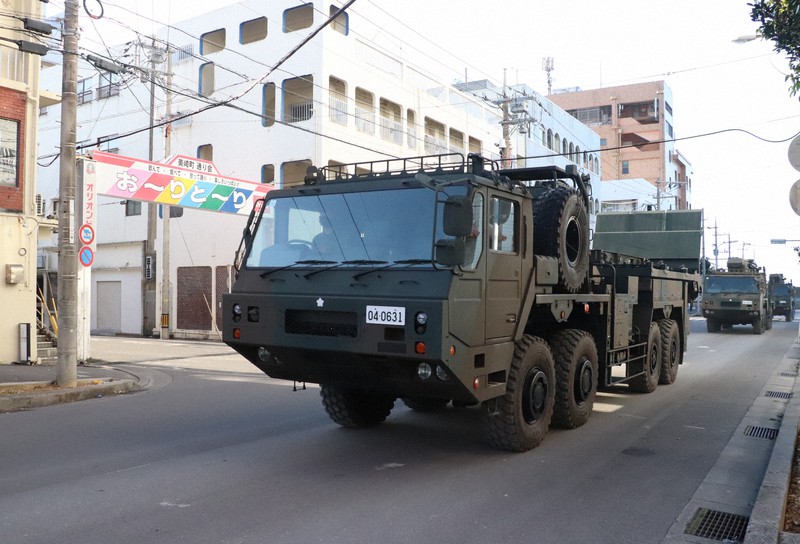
(780, 22)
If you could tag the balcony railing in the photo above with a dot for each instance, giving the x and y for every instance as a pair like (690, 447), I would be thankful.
(365, 120)
(391, 130)
(299, 111)
(337, 110)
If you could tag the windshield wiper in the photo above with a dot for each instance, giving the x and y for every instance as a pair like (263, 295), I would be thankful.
(337, 265)
(393, 264)
(311, 261)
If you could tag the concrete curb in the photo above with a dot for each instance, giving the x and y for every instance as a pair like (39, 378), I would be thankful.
(766, 519)
(86, 389)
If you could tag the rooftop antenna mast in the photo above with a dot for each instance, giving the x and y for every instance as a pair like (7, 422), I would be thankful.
(548, 66)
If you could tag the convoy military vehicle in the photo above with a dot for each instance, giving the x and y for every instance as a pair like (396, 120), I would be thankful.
(737, 296)
(781, 296)
(442, 279)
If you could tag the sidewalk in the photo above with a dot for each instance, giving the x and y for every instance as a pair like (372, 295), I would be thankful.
(23, 387)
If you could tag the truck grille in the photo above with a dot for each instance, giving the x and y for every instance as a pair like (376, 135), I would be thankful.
(730, 304)
(321, 323)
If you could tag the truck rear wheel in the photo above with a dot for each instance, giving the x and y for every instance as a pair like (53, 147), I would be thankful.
(518, 421)
(561, 230)
(355, 408)
(575, 357)
(651, 366)
(671, 351)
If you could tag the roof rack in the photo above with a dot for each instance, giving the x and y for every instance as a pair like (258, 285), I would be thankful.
(445, 163)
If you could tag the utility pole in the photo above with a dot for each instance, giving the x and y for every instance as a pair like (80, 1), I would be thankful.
(149, 290)
(67, 375)
(505, 152)
(165, 284)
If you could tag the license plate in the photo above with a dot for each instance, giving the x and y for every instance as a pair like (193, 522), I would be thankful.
(386, 315)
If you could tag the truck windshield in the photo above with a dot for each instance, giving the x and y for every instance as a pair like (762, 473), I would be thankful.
(365, 228)
(782, 290)
(731, 284)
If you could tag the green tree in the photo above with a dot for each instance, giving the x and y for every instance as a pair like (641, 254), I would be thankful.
(780, 22)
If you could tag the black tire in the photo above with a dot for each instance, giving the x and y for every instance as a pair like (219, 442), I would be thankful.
(519, 420)
(423, 404)
(651, 366)
(575, 357)
(671, 351)
(712, 325)
(789, 316)
(758, 326)
(355, 408)
(561, 230)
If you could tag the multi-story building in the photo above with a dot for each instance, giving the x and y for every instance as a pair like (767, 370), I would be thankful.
(21, 217)
(339, 99)
(636, 129)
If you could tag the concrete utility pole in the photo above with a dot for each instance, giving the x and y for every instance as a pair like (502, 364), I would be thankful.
(67, 248)
(165, 283)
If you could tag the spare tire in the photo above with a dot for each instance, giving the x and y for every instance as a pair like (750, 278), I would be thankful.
(561, 230)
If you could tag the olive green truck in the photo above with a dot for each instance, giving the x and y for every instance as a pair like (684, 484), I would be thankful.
(737, 296)
(446, 279)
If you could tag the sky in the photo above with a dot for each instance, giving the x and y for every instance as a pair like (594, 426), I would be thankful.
(730, 101)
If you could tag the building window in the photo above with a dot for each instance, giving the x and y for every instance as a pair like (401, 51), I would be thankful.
(108, 143)
(435, 137)
(109, 85)
(253, 31)
(456, 141)
(205, 152)
(603, 142)
(268, 173)
(206, 80)
(391, 122)
(212, 42)
(84, 91)
(475, 146)
(133, 207)
(298, 18)
(550, 139)
(365, 111)
(9, 151)
(411, 128)
(337, 101)
(341, 23)
(268, 105)
(626, 167)
(298, 99)
(294, 172)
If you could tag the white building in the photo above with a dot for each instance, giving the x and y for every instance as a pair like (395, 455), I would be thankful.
(338, 99)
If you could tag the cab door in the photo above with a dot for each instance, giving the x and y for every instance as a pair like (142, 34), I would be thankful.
(503, 267)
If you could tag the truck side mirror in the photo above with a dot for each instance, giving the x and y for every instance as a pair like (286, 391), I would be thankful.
(450, 251)
(457, 216)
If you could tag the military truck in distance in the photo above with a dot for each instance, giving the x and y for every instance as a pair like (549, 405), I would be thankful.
(737, 296)
(442, 279)
(781, 296)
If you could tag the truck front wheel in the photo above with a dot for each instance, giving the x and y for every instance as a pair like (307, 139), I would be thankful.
(576, 377)
(712, 325)
(651, 366)
(518, 421)
(758, 325)
(355, 408)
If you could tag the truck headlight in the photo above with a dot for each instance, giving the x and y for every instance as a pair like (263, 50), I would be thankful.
(237, 312)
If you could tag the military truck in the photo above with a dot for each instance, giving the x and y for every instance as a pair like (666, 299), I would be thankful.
(737, 296)
(446, 279)
(781, 296)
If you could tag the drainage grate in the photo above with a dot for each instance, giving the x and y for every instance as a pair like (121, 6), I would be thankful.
(761, 432)
(717, 525)
(778, 394)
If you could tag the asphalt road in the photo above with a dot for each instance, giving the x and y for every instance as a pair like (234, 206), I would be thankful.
(215, 452)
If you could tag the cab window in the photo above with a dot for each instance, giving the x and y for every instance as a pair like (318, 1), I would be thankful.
(502, 232)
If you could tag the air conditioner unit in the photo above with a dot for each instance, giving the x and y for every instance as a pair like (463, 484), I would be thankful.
(39, 204)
